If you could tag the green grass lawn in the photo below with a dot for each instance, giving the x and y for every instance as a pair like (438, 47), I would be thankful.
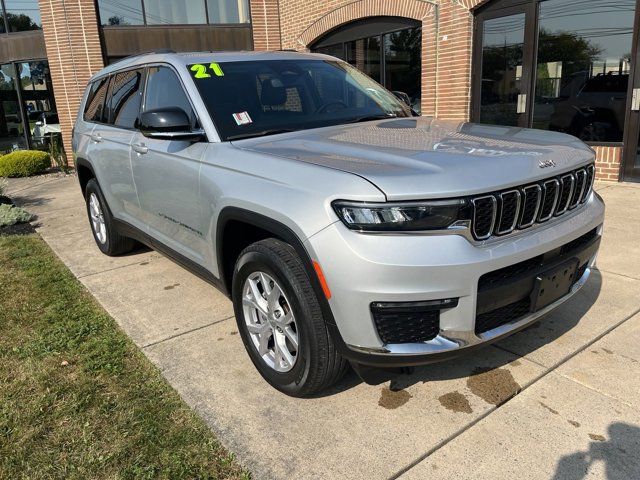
(78, 400)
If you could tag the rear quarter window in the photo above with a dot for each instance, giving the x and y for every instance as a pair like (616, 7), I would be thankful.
(94, 108)
(125, 98)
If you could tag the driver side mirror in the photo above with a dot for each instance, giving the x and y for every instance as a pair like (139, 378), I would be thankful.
(171, 123)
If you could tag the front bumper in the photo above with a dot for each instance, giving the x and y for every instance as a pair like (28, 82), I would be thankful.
(362, 269)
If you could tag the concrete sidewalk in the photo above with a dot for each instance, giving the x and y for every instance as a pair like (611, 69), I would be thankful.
(559, 400)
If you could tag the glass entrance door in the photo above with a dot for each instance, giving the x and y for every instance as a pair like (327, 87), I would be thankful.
(631, 152)
(502, 75)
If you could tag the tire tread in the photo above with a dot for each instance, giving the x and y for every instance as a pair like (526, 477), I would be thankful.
(329, 366)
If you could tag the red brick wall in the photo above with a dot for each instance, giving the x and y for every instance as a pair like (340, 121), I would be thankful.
(608, 163)
(455, 29)
(265, 22)
(74, 52)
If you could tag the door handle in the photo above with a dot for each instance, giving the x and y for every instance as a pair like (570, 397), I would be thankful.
(522, 103)
(635, 100)
(140, 148)
(96, 138)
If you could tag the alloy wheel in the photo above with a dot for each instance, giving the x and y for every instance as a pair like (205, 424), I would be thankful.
(97, 219)
(270, 321)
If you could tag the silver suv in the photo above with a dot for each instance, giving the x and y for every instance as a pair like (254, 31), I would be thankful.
(346, 229)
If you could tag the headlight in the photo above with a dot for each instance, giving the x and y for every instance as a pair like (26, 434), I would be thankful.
(409, 216)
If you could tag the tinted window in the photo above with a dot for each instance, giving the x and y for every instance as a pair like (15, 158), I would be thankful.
(37, 91)
(393, 59)
(11, 124)
(120, 12)
(94, 107)
(125, 97)
(403, 63)
(502, 56)
(23, 15)
(583, 67)
(167, 12)
(160, 81)
(228, 11)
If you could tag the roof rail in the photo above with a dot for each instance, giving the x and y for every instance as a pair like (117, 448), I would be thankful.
(159, 50)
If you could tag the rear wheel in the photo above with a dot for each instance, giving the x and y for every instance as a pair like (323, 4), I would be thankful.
(280, 320)
(109, 241)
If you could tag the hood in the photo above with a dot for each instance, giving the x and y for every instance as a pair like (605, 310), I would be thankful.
(416, 158)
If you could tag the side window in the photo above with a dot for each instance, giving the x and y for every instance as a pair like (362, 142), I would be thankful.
(125, 97)
(165, 90)
(94, 107)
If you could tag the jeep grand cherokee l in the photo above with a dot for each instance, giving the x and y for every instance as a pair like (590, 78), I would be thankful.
(345, 229)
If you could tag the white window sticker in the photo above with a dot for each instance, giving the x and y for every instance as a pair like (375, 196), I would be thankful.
(242, 118)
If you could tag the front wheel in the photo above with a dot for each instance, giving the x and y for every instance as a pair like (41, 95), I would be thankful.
(280, 320)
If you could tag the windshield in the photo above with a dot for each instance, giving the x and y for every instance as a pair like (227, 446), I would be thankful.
(247, 99)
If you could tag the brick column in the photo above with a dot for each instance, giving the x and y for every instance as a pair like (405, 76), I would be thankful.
(455, 31)
(74, 52)
(265, 24)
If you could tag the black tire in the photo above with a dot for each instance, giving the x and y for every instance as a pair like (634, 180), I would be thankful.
(318, 365)
(114, 244)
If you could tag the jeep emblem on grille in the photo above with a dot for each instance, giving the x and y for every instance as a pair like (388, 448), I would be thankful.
(546, 163)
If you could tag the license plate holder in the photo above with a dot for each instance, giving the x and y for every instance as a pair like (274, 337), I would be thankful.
(553, 284)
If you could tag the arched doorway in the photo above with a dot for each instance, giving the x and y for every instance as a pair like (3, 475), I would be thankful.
(388, 49)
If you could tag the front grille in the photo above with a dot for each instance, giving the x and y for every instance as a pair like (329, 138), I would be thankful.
(530, 206)
(567, 184)
(493, 214)
(509, 207)
(484, 216)
(406, 327)
(550, 193)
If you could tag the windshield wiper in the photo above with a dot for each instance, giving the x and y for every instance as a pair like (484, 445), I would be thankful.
(368, 118)
(262, 133)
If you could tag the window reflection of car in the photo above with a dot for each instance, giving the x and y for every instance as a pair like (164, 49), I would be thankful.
(592, 109)
(45, 127)
(14, 124)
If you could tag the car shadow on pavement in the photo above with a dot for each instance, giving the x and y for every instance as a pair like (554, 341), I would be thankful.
(542, 332)
(25, 201)
(619, 454)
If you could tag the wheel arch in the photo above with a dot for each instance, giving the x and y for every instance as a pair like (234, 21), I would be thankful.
(85, 172)
(234, 217)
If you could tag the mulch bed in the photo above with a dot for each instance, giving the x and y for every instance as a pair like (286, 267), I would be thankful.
(18, 229)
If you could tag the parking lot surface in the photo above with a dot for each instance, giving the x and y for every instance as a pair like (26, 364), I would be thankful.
(558, 400)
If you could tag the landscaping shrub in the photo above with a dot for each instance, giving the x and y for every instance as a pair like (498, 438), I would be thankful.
(10, 215)
(24, 163)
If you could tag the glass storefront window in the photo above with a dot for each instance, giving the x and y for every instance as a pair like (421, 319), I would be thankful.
(402, 63)
(228, 11)
(583, 67)
(393, 59)
(364, 54)
(502, 55)
(333, 50)
(11, 124)
(35, 121)
(121, 12)
(37, 96)
(22, 15)
(175, 12)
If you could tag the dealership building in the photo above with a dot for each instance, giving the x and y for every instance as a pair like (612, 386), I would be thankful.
(560, 65)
